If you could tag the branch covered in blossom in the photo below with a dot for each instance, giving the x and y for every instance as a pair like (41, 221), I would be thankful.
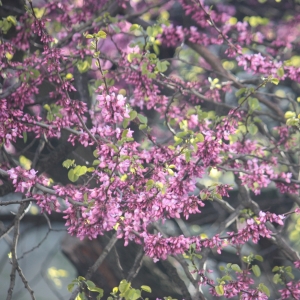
(119, 119)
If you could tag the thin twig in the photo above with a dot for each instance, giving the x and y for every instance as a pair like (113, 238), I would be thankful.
(138, 262)
(15, 265)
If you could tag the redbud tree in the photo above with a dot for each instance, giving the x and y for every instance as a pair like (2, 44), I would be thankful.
(125, 116)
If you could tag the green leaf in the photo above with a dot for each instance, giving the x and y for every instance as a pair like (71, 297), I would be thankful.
(125, 123)
(276, 278)
(131, 56)
(72, 176)
(133, 294)
(80, 170)
(226, 278)
(292, 122)
(236, 268)
(97, 290)
(134, 27)
(85, 197)
(149, 31)
(290, 114)
(240, 92)
(96, 162)
(280, 72)
(288, 269)
(219, 290)
(171, 172)
(90, 284)
(149, 187)
(142, 119)
(83, 66)
(218, 196)
(47, 107)
(124, 286)
(70, 287)
(187, 156)
(156, 49)
(252, 128)
(241, 100)
(146, 288)
(203, 196)
(182, 134)
(35, 72)
(124, 133)
(245, 259)
(80, 296)
(95, 153)
(112, 146)
(254, 103)
(101, 34)
(275, 81)
(275, 269)
(264, 289)
(133, 115)
(81, 278)
(39, 12)
(199, 137)
(142, 126)
(144, 69)
(162, 66)
(150, 182)
(24, 137)
(12, 20)
(68, 163)
(177, 140)
(259, 258)
(256, 270)
(290, 274)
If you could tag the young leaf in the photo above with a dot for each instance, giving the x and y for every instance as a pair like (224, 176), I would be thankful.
(133, 115)
(252, 128)
(259, 258)
(90, 284)
(236, 268)
(24, 137)
(276, 278)
(80, 296)
(275, 81)
(133, 294)
(70, 287)
(83, 66)
(219, 290)
(124, 286)
(256, 270)
(72, 176)
(142, 126)
(264, 289)
(125, 123)
(68, 163)
(146, 288)
(142, 119)
(134, 27)
(101, 34)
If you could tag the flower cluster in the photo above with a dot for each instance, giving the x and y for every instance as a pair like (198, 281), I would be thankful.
(23, 180)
